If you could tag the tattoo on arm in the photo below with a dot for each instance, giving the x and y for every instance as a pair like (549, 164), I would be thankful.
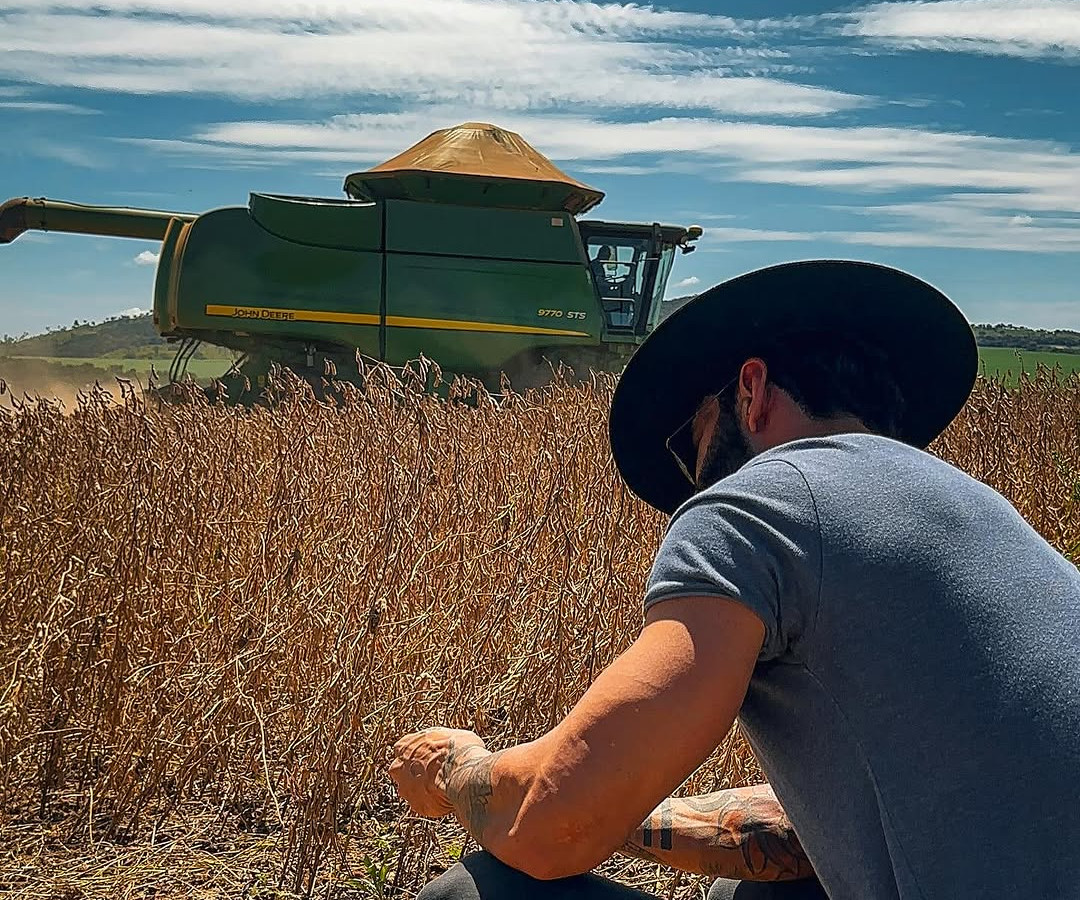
(742, 833)
(636, 850)
(469, 782)
(652, 839)
(754, 824)
(665, 825)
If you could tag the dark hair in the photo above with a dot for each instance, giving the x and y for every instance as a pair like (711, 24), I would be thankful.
(830, 375)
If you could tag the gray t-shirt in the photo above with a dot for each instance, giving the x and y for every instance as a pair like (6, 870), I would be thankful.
(916, 704)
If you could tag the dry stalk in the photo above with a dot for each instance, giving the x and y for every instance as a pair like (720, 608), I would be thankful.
(215, 621)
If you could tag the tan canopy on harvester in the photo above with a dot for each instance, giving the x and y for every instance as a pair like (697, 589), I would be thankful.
(474, 164)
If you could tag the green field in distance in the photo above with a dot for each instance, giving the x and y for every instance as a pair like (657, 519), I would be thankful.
(997, 360)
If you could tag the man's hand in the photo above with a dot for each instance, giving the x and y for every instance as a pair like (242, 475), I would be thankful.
(561, 804)
(424, 762)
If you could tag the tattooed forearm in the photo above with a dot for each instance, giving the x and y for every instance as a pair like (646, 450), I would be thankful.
(664, 837)
(468, 776)
(742, 833)
(756, 826)
(636, 850)
(656, 831)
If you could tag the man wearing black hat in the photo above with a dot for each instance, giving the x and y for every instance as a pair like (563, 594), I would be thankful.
(900, 647)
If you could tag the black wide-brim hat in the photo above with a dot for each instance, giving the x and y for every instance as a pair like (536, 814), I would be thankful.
(927, 343)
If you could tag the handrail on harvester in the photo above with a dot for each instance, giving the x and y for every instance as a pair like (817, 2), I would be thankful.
(29, 214)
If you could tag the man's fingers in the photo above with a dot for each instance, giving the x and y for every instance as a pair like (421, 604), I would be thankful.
(406, 748)
(402, 742)
(414, 739)
(411, 744)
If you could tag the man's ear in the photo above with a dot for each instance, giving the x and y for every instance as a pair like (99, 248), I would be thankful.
(754, 391)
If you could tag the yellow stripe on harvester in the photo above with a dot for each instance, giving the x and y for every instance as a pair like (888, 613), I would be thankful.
(276, 314)
(454, 325)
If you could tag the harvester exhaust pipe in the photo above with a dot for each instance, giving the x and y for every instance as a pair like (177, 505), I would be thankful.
(27, 214)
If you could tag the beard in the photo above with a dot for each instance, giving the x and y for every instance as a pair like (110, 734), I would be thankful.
(729, 448)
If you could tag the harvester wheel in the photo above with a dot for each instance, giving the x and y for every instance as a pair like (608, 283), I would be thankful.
(536, 368)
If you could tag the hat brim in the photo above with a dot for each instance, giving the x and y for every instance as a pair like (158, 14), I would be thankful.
(928, 345)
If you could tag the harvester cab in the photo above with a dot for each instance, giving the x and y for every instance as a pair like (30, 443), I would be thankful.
(468, 248)
(630, 266)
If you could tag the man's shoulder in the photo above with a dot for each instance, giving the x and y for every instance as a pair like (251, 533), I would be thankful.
(847, 475)
(838, 446)
(858, 476)
(846, 456)
(773, 494)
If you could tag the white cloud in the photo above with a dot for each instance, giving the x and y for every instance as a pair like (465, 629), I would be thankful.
(721, 236)
(975, 186)
(147, 258)
(909, 230)
(592, 169)
(500, 54)
(950, 222)
(71, 154)
(687, 282)
(626, 20)
(134, 312)
(957, 221)
(46, 106)
(864, 156)
(1027, 28)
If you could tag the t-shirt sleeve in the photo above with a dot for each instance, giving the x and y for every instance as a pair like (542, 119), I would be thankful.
(754, 537)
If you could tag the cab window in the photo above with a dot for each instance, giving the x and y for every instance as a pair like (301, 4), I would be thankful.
(618, 272)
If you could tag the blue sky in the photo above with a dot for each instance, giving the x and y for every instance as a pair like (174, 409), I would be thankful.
(941, 137)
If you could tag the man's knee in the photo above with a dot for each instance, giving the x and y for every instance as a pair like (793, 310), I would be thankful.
(456, 883)
(806, 889)
(480, 876)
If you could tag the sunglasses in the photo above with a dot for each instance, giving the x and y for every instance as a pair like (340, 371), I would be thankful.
(681, 444)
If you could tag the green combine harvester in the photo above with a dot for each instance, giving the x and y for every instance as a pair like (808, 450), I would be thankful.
(465, 249)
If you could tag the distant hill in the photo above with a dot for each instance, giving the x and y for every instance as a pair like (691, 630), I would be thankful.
(118, 335)
(670, 305)
(121, 337)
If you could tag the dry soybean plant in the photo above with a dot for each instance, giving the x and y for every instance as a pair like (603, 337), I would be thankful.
(216, 621)
(1024, 440)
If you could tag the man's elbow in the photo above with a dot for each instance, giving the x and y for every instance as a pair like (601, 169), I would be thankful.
(551, 866)
(551, 863)
(549, 850)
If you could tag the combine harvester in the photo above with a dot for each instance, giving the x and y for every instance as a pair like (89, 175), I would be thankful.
(466, 248)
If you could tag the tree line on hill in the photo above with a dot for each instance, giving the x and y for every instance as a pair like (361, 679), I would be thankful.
(1027, 338)
(119, 337)
(89, 339)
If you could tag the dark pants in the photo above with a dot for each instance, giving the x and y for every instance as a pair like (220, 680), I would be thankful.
(480, 876)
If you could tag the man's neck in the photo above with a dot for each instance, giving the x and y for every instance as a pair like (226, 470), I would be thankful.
(813, 428)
